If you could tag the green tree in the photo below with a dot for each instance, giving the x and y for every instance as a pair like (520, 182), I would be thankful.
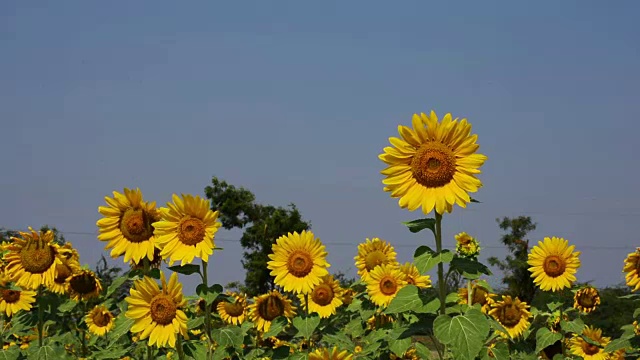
(262, 225)
(515, 268)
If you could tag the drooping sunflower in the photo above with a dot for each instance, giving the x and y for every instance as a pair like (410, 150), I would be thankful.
(69, 264)
(590, 351)
(267, 307)
(127, 225)
(372, 253)
(347, 296)
(12, 300)
(325, 298)
(32, 259)
(83, 285)
(467, 245)
(479, 295)
(512, 314)
(553, 264)
(586, 299)
(433, 165)
(383, 284)
(158, 313)
(298, 262)
(99, 320)
(632, 268)
(330, 354)
(233, 312)
(413, 277)
(187, 229)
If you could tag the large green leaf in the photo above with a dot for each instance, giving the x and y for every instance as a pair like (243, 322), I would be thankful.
(423, 352)
(67, 306)
(209, 294)
(11, 353)
(276, 327)
(340, 340)
(228, 336)
(186, 269)
(425, 258)
(465, 333)
(306, 325)
(354, 328)
(121, 327)
(298, 356)
(617, 344)
(470, 269)
(115, 285)
(46, 352)
(421, 224)
(500, 351)
(575, 326)
(407, 299)
(545, 337)
(399, 346)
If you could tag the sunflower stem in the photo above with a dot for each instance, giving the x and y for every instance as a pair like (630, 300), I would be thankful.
(306, 310)
(83, 332)
(441, 281)
(179, 348)
(40, 316)
(563, 334)
(146, 266)
(149, 352)
(469, 294)
(207, 311)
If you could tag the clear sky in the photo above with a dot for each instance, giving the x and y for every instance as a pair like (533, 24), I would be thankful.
(295, 100)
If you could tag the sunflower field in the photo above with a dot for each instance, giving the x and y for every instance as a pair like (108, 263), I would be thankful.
(52, 307)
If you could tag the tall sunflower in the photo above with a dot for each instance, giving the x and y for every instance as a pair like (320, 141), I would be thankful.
(512, 314)
(586, 299)
(298, 262)
(587, 350)
(99, 320)
(413, 277)
(432, 165)
(13, 300)
(374, 252)
(383, 284)
(127, 225)
(158, 314)
(187, 229)
(553, 264)
(479, 295)
(325, 298)
(267, 307)
(83, 285)
(32, 259)
(330, 354)
(632, 268)
(233, 312)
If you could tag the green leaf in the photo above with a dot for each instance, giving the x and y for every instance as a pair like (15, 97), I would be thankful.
(429, 308)
(298, 356)
(67, 306)
(154, 273)
(120, 328)
(500, 352)
(407, 299)
(354, 328)
(470, 269)
(46, 352)
(425, 259)
(636, 312)
(196, 349)
(228, 336)
(421, 224)
(575, 326)
(221, 353)
(465, 333)
(195, 323)
(422, 351)
(281, 353)
(340, 340)
(545, 337)
(186, 269)
(115, 285)
(474, 200)
(554, 305)
(399, 346)
(617, 344)
(306, 325)
(484, 284)
(209, 294)
(11, 353)
(276, 327)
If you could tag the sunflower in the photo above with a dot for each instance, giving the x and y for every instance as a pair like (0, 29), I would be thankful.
(333, 354)
(379, 320)
(154, 262)
(298, 262)
(32, 259)
(127, 225)
(325, 298)
(432, 165)
(383, 284)
(83, 285)
(467, 245)
(267, 307)
(233, 312)
(158, 314)
(632, 268)
(187, 229)
(590, 351)
(479, 295)
(553, 264)
(99, 320)
(69, 265)
(513, 315)
(347, 296)
(372, 253)
(12, 301)
(586, 299)
(413, 277)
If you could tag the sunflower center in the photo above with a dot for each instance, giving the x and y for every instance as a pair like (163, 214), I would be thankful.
(234, 309)
(590, 349)
(322, 295)
(10, 296)
(37, 257)
(554, 265)
(388, 285)
(300, 263)
(373, 259)
(163, 309)
(191, 231)
(271, 308)
(102, 318)
(62, 273)
(511, 316)
(586, 300)
(83, 284)
(479, 296)
(433, 165)
(135, 225)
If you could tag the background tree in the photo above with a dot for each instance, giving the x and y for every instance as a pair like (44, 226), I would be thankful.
(515, 268)
(262, 225)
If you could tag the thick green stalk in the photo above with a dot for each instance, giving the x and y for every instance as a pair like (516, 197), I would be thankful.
(40, 316)
(469, 293)
(179, 348)
(83, 332)
(441, 281)
(207, 311)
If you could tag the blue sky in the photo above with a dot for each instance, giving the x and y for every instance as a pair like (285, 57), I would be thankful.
(295, 101)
